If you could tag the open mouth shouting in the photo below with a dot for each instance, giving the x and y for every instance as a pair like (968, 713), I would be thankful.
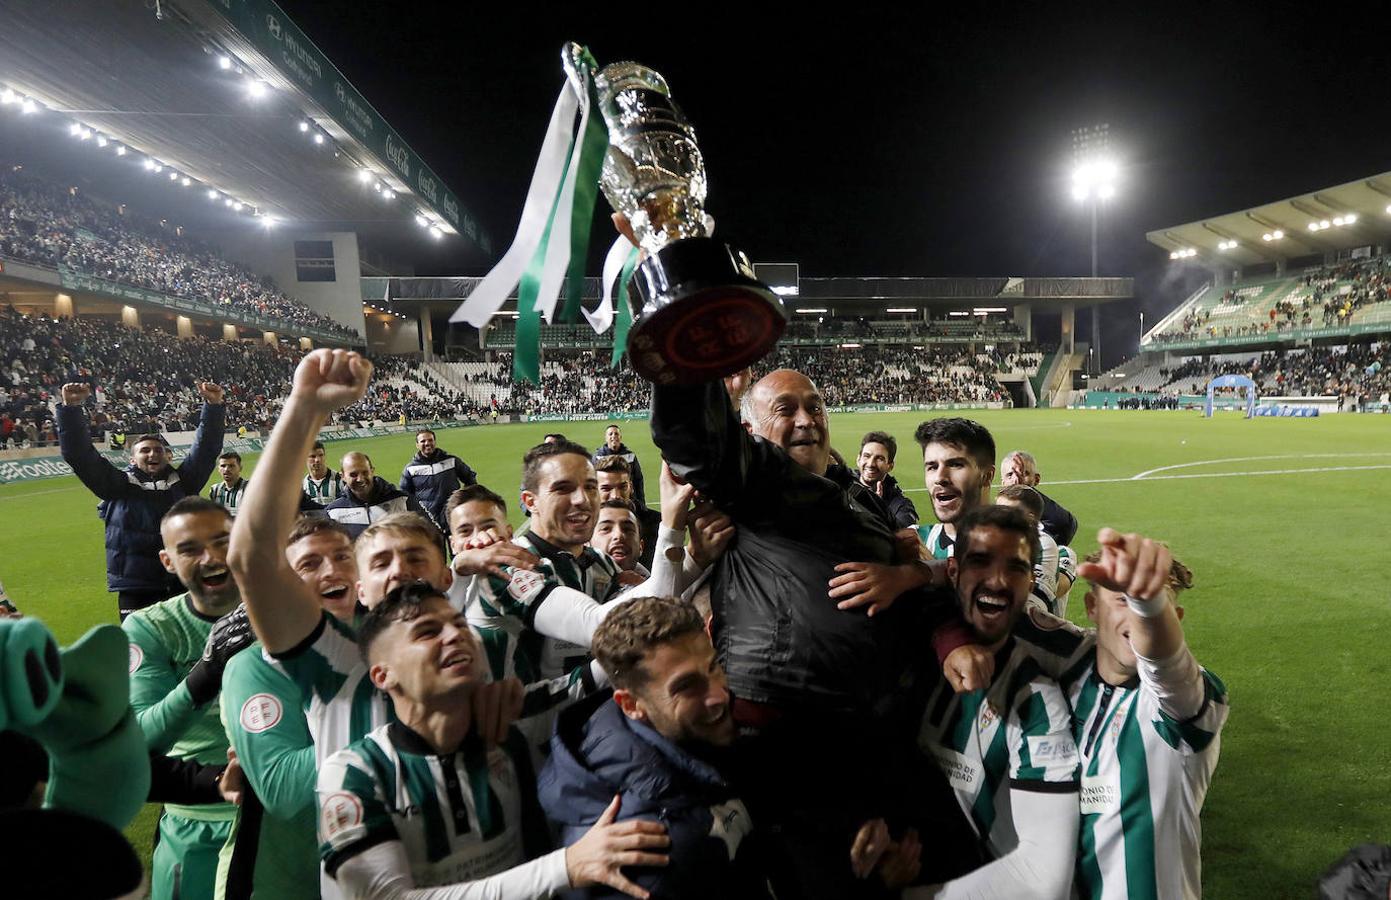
(214, 578)
(335, 593)
(459, 662)
(992, 607)
(946, 500)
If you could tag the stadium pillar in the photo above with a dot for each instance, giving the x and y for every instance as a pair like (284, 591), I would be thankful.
(62, 306)
(1068, 339)
(1096, 337)
(1024, 319)
(229, 333)
(268, 337)
(130, 317)
(427, 334)
(185, 326)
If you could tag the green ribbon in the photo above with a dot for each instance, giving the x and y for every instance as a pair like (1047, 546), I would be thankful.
(594, 145)
(526, 351)
(625, 308)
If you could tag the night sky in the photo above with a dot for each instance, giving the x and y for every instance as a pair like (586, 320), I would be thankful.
(907, 144)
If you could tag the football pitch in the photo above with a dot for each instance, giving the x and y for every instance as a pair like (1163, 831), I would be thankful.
(1286, 524)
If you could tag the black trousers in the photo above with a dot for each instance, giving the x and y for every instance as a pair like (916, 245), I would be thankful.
(130, 601)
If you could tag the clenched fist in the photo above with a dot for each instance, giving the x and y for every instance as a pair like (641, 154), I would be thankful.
(76, 394)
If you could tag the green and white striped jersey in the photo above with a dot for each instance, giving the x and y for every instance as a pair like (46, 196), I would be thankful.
(339, 700)
(1053, 562)
(1144, 778)
(325, 490)
(1144, 773)
(229, 496)
(1015, 734)
(939, 544)
(499, 607)
(459, 816)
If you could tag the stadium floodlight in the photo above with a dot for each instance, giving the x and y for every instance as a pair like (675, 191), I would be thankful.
(149, 165)
(364, 175)
(303, 125)
(228, 202)
(388, 194)
(74, 129)
(318, 138)
(421, 221)
(1324, 224)
(1349, 218)
(224, 63)
(436, 232)
(173, 176)
(121, 150)
(805, 310)
(1313, 226)
(212, 194)
(102, 141)
(1338, 220)
(269, 221)
(237, 206)
(1276, 235)
(901, 309)
(28, 107)
(185, 181)
(256, 89)
(8, 96)
(1094, 178)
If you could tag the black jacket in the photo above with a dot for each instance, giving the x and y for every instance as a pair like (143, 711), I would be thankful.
(133, 502)
(901, 509)
(779, 636)
(355, 515)
(431, 479)
(1060, 524)
(597, 752)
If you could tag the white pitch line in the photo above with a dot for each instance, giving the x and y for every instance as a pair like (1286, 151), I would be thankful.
(1129, 479)
(1213, 462)
(37, 493)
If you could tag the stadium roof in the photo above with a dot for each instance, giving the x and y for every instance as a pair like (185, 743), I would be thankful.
(1287, 223)
(173, 80)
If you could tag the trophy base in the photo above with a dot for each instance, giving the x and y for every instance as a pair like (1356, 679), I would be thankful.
(704, 314)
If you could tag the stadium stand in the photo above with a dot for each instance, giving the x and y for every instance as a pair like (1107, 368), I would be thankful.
(146, 379)
(1337, 297)
(49, 225)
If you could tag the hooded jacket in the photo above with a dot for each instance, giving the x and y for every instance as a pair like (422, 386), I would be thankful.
(355, 515)
(431, 479)
(133, 501)
(597, 752)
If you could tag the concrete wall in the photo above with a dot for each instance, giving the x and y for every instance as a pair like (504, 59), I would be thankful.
(388, 334)
(272, 252)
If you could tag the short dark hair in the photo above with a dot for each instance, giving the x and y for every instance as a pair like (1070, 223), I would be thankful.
(400, 604)
(318, 445)
(615, 503)
(546, 438)
(425, 431)
(468, 495)
(315, 523)
(1005, 518)
(613, 464)
(612, 425)
(1025, 496)
(632, 630)
(536, 456)
(148, 436)
(192, 506)
(969, 435)
(230, 454)
(881, 437)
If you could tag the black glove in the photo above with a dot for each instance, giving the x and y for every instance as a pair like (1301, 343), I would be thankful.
(230, 634)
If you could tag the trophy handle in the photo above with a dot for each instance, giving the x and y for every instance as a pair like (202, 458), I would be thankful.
(577, 63)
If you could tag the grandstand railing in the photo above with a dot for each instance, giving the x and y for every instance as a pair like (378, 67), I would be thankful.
(1279, 336)
(502, 335)
(1178, 312)
(116, 290)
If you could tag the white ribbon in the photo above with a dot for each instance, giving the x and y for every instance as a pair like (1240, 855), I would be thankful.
(492, 291)
(602, 317)
(558, 247)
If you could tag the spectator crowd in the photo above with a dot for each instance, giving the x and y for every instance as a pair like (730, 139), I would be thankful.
(64, 228)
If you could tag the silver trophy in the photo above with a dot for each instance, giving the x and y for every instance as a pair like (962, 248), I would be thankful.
(704, 314)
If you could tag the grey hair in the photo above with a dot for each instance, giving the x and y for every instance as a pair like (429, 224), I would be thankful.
(746, 410)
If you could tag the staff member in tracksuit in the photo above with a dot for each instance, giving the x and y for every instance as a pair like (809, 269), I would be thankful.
(432, 475)
(134, 499)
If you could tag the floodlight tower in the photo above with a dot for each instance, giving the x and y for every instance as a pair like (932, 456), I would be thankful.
(1094, 176)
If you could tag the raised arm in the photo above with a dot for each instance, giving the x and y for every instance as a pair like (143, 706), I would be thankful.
(75, 443)
(282, 609)
(207, 443)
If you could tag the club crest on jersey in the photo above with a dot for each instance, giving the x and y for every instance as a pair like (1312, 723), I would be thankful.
(339, 812)
(260, 712)
(988, 714)
(137, 656)
(524, 585)
(730, 823)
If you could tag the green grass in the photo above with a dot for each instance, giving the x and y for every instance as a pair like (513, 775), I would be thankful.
(1290, 606)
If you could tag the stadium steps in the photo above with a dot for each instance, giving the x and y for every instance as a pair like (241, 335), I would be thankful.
(1057, 387)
